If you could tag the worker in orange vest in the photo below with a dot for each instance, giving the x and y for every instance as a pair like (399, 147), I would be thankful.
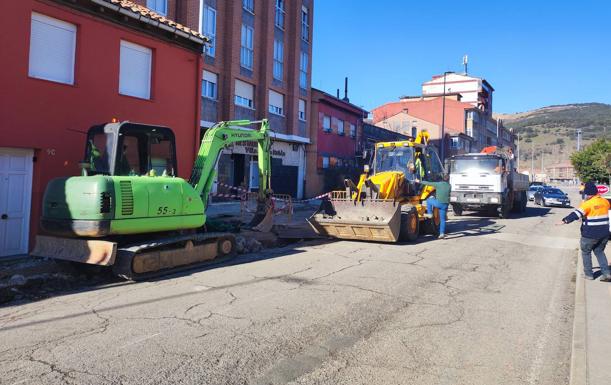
(594, 215)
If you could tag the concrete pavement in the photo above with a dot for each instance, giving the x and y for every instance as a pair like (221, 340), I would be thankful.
(592, 328)
(490, 305)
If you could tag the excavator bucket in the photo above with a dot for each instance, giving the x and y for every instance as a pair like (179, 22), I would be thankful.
(377, 220)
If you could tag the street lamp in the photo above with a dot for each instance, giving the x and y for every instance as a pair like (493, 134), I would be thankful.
(443, 117)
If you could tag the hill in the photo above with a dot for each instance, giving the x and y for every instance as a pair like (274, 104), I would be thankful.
(551, 132)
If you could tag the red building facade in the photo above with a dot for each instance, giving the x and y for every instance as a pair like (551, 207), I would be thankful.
(335, 134)
(104, 60)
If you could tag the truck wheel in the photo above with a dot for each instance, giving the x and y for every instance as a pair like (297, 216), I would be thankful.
(410, 226)
(431, 225)
(457, 209)
(504, 212)
(524, 202)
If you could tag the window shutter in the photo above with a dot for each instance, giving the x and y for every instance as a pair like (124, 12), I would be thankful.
(135, 70)
(210, 77)
(52, 46)
(244, 89)
(276, 99)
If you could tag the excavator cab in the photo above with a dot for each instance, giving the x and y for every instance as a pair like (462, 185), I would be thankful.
(130, 149)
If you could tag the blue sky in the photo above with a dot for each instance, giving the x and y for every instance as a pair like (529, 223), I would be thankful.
(534, 53)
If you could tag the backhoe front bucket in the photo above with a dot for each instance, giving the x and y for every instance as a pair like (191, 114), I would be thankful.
(369, 220)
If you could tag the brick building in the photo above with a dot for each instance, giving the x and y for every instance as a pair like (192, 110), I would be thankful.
(473, 90)
(335, 136)
(72, 64)
(410, 115)
(469, 125)
(258, 65)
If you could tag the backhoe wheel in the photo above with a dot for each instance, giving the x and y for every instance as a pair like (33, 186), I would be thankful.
(410, 226)
(431, 225)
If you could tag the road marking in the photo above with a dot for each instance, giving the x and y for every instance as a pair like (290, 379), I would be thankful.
(142, 339)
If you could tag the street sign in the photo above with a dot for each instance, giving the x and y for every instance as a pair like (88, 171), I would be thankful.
(602, 189)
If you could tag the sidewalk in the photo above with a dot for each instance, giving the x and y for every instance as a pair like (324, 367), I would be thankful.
(591, 330)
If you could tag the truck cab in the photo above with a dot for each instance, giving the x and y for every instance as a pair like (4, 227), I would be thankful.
(486, 181)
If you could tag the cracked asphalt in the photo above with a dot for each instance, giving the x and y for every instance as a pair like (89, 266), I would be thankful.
(491, 305)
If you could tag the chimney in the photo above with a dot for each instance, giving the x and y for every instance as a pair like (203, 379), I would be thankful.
(346, 90)
(337, 93)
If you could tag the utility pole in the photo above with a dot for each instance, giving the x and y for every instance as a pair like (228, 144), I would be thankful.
(542, 156)
(578, 139)
(532, 160)
(518, 151)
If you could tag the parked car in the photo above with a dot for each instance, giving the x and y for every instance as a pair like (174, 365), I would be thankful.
(530, 193)
(550, 196)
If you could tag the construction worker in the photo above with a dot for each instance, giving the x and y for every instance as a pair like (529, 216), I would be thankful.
(594, 213)
(441, 201)
(581, 187)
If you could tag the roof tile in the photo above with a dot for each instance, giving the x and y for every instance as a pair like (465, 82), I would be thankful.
(144, 11)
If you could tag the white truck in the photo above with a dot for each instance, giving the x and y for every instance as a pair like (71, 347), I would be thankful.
(487, 181)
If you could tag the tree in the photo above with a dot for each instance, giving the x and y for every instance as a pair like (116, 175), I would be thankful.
(593, 163)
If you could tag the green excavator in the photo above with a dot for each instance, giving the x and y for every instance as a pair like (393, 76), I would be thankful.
(130, 211)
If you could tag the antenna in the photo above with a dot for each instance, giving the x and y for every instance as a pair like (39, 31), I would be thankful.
(465, 62)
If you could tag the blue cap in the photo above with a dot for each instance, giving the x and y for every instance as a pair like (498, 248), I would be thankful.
(590, 189)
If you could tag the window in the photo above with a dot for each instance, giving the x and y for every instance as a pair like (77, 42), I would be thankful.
(279, 20)
(246, 51)
(244, 94)
(302, 110)
(276, 103)
(249, 5)
(326, 124)
(352, 130)
(340, 127)
(208, 28)
(325, 162)
(455, 143)
(135, 70)
(278, 59)
(209, 85)
(305, 24)
(303, 71)
(52, 47)
(159, 6)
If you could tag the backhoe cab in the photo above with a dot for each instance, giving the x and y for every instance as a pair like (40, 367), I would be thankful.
(387, 204)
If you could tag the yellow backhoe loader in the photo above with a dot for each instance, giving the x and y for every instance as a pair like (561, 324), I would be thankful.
(386, 205)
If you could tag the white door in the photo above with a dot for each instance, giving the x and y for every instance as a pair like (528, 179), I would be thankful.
(15, 199)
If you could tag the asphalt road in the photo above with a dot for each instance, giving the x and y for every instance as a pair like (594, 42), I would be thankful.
(490, 305)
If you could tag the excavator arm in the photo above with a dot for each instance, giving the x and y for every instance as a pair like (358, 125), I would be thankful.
(220, 136)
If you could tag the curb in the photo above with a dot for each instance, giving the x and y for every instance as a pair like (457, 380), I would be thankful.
(579, 368)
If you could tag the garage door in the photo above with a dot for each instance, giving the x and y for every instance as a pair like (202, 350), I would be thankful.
(15, 198)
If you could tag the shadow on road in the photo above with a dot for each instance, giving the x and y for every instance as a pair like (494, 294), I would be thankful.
(80, 278)
(529, 213)
(472, 227)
